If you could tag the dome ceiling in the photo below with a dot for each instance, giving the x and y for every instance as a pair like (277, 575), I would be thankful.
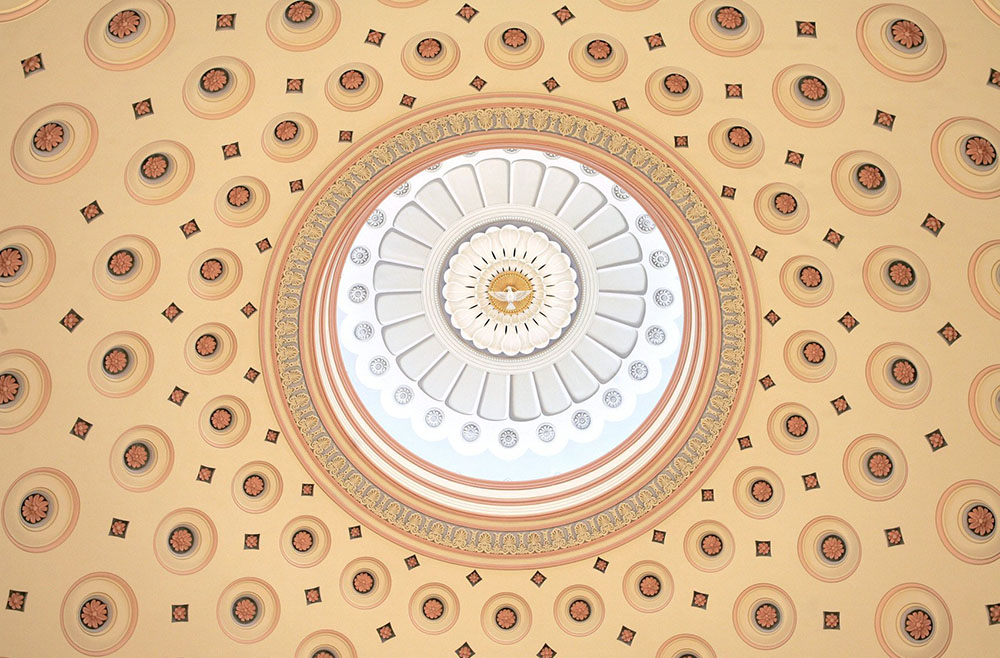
(612, 328)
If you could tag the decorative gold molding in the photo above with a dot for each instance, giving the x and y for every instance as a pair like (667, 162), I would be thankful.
(725, 276)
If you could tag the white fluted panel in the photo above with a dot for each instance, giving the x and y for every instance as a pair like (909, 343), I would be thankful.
(585, 201)
(436, 200)
(494, 179)
(397, 247)
(392, 277)
(526, 179)
(552, 395)
(580, 384)
(629, 309)
(464, 188)
(523, 398)
(412, 220)
(493, 405)
(556, 188)
(615, 336)
(402, 335)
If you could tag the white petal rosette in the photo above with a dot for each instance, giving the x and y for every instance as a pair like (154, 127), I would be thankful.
(514, 319)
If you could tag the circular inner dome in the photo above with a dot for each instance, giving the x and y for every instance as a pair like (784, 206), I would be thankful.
(506, 315)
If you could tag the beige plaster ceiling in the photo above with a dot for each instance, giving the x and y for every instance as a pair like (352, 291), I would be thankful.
(895, 204)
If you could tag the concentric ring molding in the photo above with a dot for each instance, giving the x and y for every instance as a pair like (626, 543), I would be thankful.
(352, 100)
(20, 9)
(267, 498)
(122, 614)
(518, 57)
(883, 384)
(238, 421)
(230, 206)
(694, 543)
(793, 428)
(311, 33)
(632, 582)
(229, 99)
(598, 70)
(803, 348)
(745, 610)
(949, 151)
(63, 510)
(159, 458)
(224, 282)
(153, 34)
(858, 471)
(38, 262)
(799, 281)
(984, 402)
(749, 504)
(919, 62)
(203, 544)
(984, 277)
(143, 262)
(292, 149)
(669, 102)
(319, 541)
(542, 130)
(222, 342)
(268, 610)
(779, 213)
(887, 265)
(380, 586)
(682, 645)
(331, 641)
(845, 178)
(811, 543)
(952, 519)
(34, 388)
(521, 626)
(76, 143)
(166, 186)
(723, 142)
(430, 68)
(594, 607)
(741, 40)
(449, 603)
(793, 87)
(127, 379)
(890, 619)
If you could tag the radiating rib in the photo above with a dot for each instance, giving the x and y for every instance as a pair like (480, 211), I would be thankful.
(493, 404)
(523, 398)
(629, 309)
(585, 201)
(557, 185)
(419, 358)
(390, 277)
(494, 179)
(602, 226)
(464, 188)
(579, 383)
(441, 377)
(403, 249)
(395, 306)
(552, 394)
(415, 222)
(615, 336)
(599, 361)
(627, 278)
(401, 336)
(464, 396)
(526, 178)
(437, 200)
(617, 251)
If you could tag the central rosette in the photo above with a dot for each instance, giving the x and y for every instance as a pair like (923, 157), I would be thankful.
(510, 290)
